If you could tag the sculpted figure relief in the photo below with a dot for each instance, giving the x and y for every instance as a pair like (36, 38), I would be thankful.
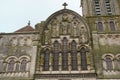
(68, 25)
(55, 27)
(83, 35)
(75, 24)
(64, 27)
(64, 24)
(46, 36)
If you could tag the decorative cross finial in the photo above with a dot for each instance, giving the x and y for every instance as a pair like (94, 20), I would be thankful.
(29, 23)
(65, 4)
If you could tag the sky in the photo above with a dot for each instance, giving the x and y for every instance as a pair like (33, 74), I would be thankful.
(15, 14)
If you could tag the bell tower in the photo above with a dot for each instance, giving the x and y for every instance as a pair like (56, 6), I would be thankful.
(103, 18)
(100, 7)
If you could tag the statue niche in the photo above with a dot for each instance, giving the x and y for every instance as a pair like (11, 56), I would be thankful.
(55, 27)
(83, 35)
(65, 24)
(75, 24)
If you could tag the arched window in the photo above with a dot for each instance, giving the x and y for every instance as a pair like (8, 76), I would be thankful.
(83, 59)
(56, 56)
(23, 65)
(100, 26)
(74, 55)
(109, 65)
(11, 65)
(64, 54)
(112, 26)
(46, 60)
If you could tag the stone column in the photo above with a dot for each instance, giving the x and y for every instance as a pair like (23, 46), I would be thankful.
(60, 61)
(79, 61)
(50, 62)
(69, 61)
(41, 62)
(89, 64)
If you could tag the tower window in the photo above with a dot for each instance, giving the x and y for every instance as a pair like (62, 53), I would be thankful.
(112, 26)
(100, 26)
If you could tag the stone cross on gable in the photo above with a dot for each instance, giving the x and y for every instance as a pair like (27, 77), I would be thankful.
(65, 4)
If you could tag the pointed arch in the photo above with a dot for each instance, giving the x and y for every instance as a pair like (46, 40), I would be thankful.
(46, 60)
(64, 54)
(74, 55)
(56, 56)
(83, 58)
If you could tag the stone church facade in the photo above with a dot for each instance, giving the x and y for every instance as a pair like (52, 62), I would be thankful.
(66, 46)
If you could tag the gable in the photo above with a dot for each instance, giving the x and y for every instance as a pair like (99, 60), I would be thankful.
(66, 22)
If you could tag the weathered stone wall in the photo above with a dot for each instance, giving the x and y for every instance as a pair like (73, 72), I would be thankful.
(17, 46)
(103, 45)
